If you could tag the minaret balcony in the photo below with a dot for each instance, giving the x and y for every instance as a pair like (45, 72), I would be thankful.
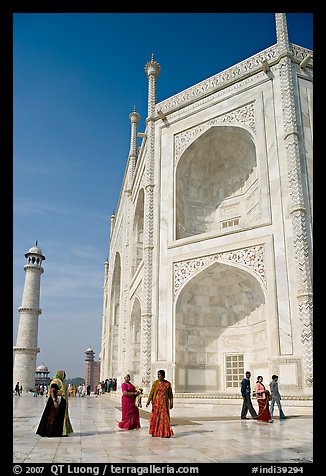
(30, 310)
(26, 350)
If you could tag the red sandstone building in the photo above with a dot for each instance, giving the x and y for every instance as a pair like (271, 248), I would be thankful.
(92, 373)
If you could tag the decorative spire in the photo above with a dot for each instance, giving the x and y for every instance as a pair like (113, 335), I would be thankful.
(134, 116)
(152, 67)
(282, 32)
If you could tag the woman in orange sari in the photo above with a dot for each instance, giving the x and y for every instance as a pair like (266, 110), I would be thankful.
(161, 398)
(263, 401)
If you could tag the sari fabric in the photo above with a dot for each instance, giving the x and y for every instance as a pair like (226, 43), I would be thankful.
(130, 414)
(160, 396)
(263, 404)
(56, 421)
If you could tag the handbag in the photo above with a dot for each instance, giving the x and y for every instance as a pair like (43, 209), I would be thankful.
(256, 394)
(139, 397)
(268, 395)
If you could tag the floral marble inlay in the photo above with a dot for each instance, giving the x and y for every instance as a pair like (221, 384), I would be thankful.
(243, 115)
(253, 257)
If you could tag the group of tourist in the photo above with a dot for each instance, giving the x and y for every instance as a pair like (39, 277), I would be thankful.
(39, 389)
(55, 420)
(266, 399)
(107, 385)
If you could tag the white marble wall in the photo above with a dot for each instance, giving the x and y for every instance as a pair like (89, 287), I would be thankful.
(217, 290)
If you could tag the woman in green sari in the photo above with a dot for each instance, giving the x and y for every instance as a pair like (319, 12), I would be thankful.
(55, 420)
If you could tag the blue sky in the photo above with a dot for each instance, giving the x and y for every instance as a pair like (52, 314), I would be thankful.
(76, 78)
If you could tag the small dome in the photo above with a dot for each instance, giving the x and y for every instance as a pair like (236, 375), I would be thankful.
(42, 368)
(35, 250)
(89, 349)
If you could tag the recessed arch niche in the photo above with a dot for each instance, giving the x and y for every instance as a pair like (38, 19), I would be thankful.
(138, 231)
(214, 176)
(135, 340)
(115, 313)
(220, 310)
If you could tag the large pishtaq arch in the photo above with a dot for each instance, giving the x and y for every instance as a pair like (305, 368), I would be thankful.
(219, 312)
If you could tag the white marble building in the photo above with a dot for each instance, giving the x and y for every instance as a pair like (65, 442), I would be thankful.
(210, 265)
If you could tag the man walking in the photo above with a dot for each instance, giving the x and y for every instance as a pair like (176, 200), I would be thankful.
(245, 392)
(276, 397)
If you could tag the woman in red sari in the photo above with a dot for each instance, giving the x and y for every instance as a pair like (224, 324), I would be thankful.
(263, 401)
(130, 412)
(161, 397)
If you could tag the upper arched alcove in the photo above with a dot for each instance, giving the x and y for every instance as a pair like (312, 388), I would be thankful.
(213, 177)
(138, 231)
(115, 290)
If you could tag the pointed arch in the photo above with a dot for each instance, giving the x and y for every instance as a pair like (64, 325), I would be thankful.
(218, 168)
(220, 311)
(135, 340)
(114, 320)
(138, 231)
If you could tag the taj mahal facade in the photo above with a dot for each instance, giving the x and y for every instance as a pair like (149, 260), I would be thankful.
(209, 271)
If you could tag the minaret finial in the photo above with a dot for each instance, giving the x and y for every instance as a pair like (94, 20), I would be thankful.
(36, 242)
(152, 67)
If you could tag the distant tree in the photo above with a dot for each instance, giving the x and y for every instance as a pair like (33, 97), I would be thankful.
(75, 381)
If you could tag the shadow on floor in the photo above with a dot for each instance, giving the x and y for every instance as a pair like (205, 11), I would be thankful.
(175, 421)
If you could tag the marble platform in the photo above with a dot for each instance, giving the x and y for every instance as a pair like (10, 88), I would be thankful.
(202, 435)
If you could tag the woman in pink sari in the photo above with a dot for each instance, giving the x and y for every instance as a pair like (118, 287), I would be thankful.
(161, 397)
(130, 412)
(263, 401)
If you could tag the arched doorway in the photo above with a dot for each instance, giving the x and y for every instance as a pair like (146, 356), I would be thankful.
(219, 323)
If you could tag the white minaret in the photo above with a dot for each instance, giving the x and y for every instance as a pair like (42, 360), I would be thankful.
(26, 344)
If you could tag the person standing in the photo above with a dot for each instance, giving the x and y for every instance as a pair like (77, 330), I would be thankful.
(161, 398)
(17, 389)
(130, 413)
(263, 401)
(55, 420)
(276, 397)
(247, 404)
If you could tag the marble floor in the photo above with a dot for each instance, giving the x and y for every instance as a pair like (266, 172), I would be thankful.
(201, 436)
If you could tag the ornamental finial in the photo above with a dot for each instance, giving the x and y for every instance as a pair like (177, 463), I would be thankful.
(152, 67)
